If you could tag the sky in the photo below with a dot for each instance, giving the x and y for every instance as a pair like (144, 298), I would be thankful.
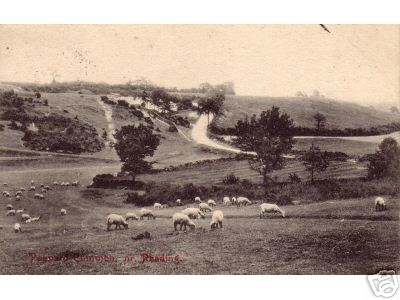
(358, 63)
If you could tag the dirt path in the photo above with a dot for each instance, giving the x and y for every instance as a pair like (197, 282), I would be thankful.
(110, 122)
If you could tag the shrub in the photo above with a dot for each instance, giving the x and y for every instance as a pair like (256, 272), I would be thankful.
(294, 178)
(231, 179)
(172, 128)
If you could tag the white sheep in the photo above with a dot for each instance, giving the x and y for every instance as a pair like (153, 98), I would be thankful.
(32, 182)
(243, 201)
(55, 183)
(270, 208)
(63, 212)
(47, 188)
(197, 200)
(193, 212)
(18, 198)
(10, 212)
(75, 183)
(67, 183)
(6, 194)
(25, 217)
(34, 219)
(18, 193)
(380, 204)
(211, 202)
(117, 220)
(22, 189)
(226, 201)
(131, 216)
(204, 207)
(32, 188)
(38, 196)
(216, 219)
(9, 207)
(165, 206)
(144, 212)
(179, 202)
(43, 190)
(234, 201)
(5, 184)
(182, 220)
(157, 205)
(19, 211)
(17, 227)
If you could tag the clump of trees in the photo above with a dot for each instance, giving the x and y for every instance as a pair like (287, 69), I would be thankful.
(386, 161)
(211, 104)
(133, 144)
(315, 161)
(269, 137)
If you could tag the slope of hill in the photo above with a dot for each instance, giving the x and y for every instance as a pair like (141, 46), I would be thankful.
(338, 114)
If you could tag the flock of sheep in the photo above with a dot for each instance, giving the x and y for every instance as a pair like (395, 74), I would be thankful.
(183, 219)
(25, 217)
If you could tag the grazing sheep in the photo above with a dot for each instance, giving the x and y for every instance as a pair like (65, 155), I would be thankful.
(17, 227)
(20, 210)
(18, 193)
(179, 202)
(380, 204)
(34, 219)
(165, 206)
(63, 212)
(6, 194)
(182, 220)
(234, 201)
(216, 219)
(226, 201)
(193, 212)
(131, 216)
(211, 202)
(243, 201)
(47, 188)
(204, 207)
(144, 212)
(75, 183)
(117, 220)
(67, 183)
(18, 198)
(10, 213)
(157, 205)
(32, 182)
(42, 185)
(32, 188)
(38, 196)
(55, 183)
(43, 190)
(22, 189)
(270, 208)
(197, 200)
(25, 217)
(9, 207)
(5, 184)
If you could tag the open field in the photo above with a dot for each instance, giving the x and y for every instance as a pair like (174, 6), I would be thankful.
(335, 237)
(338, 114)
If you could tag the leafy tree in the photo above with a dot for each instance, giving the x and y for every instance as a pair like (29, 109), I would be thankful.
(315, 161)
(269, 137)
(133, 144)
(320, 121)
(157, 96)
(211, 105)
(386, 161)
(38, 95)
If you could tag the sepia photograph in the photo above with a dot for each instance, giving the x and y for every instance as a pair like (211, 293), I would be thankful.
(200, 150)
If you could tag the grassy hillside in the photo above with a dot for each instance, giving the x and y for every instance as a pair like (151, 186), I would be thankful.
(339, 114)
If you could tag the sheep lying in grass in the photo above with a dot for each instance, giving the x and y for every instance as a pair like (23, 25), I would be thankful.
(380, 204)
(17, 227)
(216, 219)
(204, 207)
(63, 212)
(157, 205)
(270, 208)
(197, 200)
(131, 216)
(144, 212)
(9, 207)
(10, 213)
(20, 210)
(211, 203)
(193, 213)
(34, 219)
(226, 201)
(243, 201)
(117, 220)
(182, 220)
(179, 202)
(25, 217)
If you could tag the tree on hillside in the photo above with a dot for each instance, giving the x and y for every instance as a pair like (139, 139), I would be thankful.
(157, 96)
(315, 161)
(211, 105)
(320, 121)
(133, 144)
(269, 136)
(386, 161)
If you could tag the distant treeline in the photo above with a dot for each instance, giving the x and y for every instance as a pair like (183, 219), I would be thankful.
(306, 131)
